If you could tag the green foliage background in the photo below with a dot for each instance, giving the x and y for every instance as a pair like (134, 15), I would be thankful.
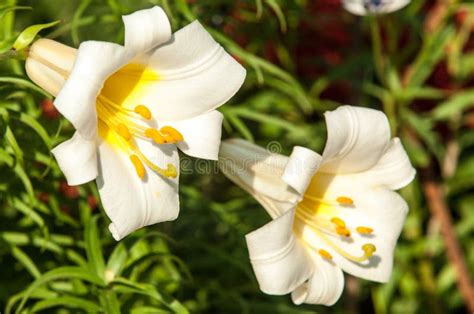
(56, 254)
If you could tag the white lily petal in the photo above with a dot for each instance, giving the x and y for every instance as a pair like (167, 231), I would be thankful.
(324, 287)
(279, 261)
(132, 203)
(195, 76)
(301, 167)
(76, 101)
(357, 138)
(259, 172)
(146, 29)
(364, 7)
(202, 135)
(377, 208)
(77, 158)
(394, 169)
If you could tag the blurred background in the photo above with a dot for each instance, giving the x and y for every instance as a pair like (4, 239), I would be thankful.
(303, 58)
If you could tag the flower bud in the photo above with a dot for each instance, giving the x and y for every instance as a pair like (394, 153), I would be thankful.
(49, 63)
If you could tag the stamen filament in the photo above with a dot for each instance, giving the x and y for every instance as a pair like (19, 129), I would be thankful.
(169, 172)
(368, 248)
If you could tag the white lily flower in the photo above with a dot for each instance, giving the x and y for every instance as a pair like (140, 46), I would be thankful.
(364, 7)
(132, 106)
(330, 213)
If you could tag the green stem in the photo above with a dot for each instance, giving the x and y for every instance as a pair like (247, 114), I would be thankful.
(377, 48)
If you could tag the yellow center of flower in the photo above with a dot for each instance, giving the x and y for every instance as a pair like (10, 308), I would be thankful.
(319, 214)
(123, 118)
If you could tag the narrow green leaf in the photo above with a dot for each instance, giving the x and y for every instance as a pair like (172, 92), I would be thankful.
(454, 105)
(66, 272)
(125, 285)
(67, 302)
(93, 247)
(38, 128)
(28, 35)
(4, 10)
(24, 83)
(240, 126)
(108, 300)
(26, 261)
(30, 213)
(117, 259)
(11, 140)
(279, 14)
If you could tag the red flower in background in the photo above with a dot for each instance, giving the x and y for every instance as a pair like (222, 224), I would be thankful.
(48, 110)
(68, 191)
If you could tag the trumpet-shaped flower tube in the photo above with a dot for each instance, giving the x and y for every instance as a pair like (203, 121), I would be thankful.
(132, 106)
(330, 213)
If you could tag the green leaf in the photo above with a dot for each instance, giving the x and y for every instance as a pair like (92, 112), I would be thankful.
(117, 259)
(433, 50)
(240, 126)
(38, 128)
(67, 302)
(30, 213)
(125, 285)
(26, 261)
(93, 247)
(454, 106)
(108, 300)
(24, 83)
(66, 272)
(4, 10)
(11, 140)
(28, 35)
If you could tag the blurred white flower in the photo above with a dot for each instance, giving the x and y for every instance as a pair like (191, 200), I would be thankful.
(330, 213)
(132, 106)
(364, 7)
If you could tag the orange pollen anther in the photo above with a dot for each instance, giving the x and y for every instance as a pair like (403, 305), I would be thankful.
(338, 222)
(364, 230)
(123, 131)
(172, 133)
(325, 254)
(143, 111)
(343, 231)
(139, 168)
(155, 136)
(344, 200)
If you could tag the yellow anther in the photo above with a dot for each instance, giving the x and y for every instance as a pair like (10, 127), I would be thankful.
(143, 111)
(364, 230)
(155, 136)
(325, 254)
(368, 249)
(338, 222)
(123, 131)
(172, 133)
(344, 200)
(139, 168)
(343, 231)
